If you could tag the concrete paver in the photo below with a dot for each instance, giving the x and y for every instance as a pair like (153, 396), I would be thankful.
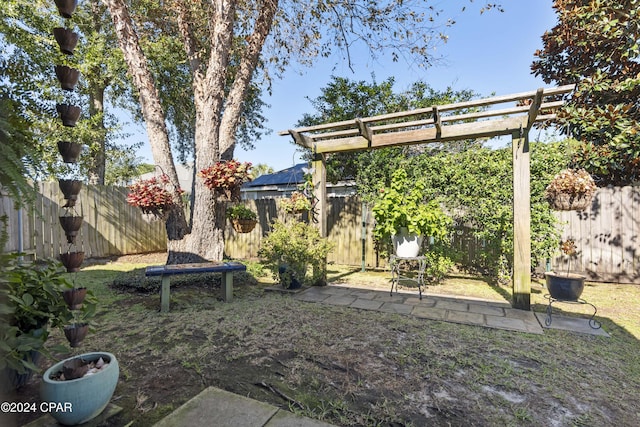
(470, 311)
(220, 408)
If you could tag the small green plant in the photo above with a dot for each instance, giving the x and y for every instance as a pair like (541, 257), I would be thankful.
(298, 202)
(402, 205)
(241, 212)
(291, 249)
(31, 301)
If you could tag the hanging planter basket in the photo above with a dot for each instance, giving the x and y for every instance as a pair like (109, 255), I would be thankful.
(244, 225)
(71, 226)
(231, 194)
(72, 260)
(570, 202)
(571, 190)
(69, 114)
(70, 188)
(74, 297)
(67, 39)
(66, 7)
(67, 76)
(76, 333)
(153, 215)
(70, 151)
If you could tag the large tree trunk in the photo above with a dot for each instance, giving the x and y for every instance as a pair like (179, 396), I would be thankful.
(216, 118)
(151, 109)
(98, 151)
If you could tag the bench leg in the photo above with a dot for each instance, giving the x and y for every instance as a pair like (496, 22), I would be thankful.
(164, 296)
(227, 286)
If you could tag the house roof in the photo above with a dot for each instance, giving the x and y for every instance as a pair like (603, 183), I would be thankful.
(292, 175)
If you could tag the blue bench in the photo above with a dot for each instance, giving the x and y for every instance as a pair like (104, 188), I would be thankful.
(166, 271)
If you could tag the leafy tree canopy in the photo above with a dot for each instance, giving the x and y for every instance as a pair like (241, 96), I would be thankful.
(596, 45)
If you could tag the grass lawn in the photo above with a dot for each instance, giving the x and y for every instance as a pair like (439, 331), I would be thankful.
(363, 368)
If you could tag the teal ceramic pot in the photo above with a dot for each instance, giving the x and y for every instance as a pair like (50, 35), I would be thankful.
(82, 399)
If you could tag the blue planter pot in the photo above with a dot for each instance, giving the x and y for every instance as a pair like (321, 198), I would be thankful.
(566, 287)
(86, 396)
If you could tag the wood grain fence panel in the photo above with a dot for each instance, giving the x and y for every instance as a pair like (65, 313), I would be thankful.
(607, 235)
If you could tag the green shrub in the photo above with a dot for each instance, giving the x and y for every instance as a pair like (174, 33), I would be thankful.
(295, 247)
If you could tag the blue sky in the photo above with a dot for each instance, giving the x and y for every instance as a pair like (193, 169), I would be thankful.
(489, 53)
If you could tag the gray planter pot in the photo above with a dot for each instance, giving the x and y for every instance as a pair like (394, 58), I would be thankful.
(86, 396)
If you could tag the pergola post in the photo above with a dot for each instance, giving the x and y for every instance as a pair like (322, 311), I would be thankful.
(319, 165)
(521, 220)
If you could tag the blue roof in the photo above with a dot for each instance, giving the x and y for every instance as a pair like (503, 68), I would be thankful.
(290, 176)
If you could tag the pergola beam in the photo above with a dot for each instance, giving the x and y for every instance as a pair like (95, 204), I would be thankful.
(447, 123)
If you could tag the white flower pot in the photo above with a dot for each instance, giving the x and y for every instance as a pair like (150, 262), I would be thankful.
(405, 244)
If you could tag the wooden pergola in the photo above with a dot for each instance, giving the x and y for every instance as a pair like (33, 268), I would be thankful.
(447, 123)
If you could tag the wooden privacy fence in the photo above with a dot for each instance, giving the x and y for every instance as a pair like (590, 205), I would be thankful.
(110, 226)
(607, 234)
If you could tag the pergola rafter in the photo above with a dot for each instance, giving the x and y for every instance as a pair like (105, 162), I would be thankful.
(482, 118)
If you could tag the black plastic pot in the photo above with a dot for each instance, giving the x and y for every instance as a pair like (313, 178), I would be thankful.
(67, 39)
(67, 76)
(66, 7)
(70, 151)
(69, 114)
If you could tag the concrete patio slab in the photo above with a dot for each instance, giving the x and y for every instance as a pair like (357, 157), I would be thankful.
(573, 324)
(471, 311)
(220, 408)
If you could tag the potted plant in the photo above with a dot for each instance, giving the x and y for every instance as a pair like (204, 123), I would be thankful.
(84, 383)
(571, 189)
(242, 218)
(403, 218)
(31, 302)
(225, 178)
(289, 249)
(153, 196)
(297, 203)
(565, 286)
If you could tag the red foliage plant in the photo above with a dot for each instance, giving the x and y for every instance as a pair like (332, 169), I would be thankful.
(151, 194)
(226, 174)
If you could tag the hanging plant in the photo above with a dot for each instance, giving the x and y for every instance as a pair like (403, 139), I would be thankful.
(242, 218)
(225, 178)
(153, 196)
(571, 189)
(297, 203)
